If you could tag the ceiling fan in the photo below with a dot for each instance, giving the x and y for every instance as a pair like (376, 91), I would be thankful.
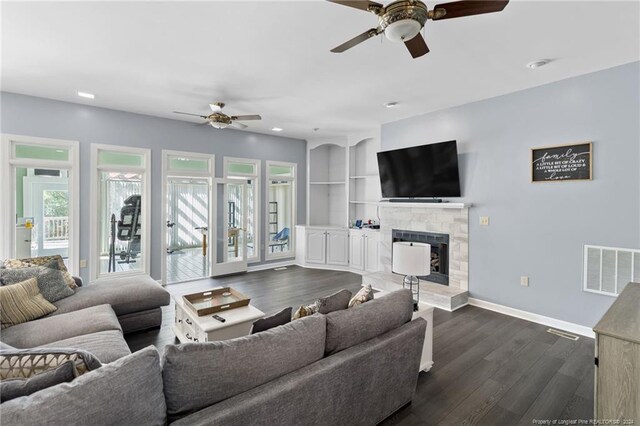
(402, 20)
(220, 120)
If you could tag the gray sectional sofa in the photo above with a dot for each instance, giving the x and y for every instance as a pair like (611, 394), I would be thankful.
(95, 318)
(350, 367)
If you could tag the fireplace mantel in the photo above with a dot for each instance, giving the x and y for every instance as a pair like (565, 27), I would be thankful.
(427, 205)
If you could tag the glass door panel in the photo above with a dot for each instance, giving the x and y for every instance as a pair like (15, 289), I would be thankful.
(187, 233)
(42, 213)
(231, 227)
(121, 222)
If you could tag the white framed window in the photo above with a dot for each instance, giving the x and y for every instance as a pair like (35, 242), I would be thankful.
(42, 218)
(249, 171)
(280, 210)
(120, 211)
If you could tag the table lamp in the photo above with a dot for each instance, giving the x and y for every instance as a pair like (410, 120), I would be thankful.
(412, 260)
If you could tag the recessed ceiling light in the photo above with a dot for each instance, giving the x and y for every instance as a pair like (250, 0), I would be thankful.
(391, 104)
(86, 95)
(277, 129)
(537, 64)
(315, 129)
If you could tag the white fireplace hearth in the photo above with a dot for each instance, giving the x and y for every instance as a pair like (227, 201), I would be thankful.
(441, 218)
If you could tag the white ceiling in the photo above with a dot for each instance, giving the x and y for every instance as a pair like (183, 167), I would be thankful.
(272, 58)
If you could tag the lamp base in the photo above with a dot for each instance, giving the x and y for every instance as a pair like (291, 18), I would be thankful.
(413, 283)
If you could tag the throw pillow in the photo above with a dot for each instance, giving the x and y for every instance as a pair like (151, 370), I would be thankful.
(15, 388)
(281, 318)
(334, 302)
(25, 363)
(43, 261)
(50, 280)
(363, 295)
(22, 302)
(305, 311)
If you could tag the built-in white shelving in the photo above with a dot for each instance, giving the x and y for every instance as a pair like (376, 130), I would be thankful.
(327, 185)
(364, 184)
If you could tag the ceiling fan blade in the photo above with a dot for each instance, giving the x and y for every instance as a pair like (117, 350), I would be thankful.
(367, 6)
(246, 117)
(458, 9)
(356, 40)
(238, 125)
(417, 46)
(188, 113)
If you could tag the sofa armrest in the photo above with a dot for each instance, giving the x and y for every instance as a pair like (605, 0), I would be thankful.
(78, 280)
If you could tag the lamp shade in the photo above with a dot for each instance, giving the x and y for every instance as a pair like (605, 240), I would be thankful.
(411, 258)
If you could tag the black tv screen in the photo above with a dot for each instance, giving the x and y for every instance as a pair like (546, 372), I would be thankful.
(420, 171)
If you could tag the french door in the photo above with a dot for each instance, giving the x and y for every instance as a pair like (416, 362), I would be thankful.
(230, 232)
(187, 215)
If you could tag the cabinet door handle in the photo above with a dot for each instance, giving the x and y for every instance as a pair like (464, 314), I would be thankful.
(188, 322)
(188, 336)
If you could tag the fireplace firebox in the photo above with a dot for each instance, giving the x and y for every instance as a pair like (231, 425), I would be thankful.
(439, 252)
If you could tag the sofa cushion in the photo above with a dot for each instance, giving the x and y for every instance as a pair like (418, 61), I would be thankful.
(4, 346)
(197, 375)
(355, 325)
(14, 388)
(335, 302)
(59, 327)
(107, 346)
(125, 295)
(281, 318)
(51, 281)
(128, 391)
(22, 302)
(25, 363)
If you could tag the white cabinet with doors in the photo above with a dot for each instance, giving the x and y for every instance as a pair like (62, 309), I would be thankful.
(363, 249)
(322, 246)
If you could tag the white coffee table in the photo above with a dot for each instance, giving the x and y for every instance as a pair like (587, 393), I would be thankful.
(189, 327)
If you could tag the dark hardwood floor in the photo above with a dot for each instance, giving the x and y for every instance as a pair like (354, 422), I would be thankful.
(490, 369)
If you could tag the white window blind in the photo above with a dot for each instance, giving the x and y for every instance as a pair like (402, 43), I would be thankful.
(607, 270)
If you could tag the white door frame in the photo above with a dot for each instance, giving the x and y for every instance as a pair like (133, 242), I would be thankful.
(168, 173)
(9, 163)
(227, 268)
(268, 256)
(145, 239)
(257, 178)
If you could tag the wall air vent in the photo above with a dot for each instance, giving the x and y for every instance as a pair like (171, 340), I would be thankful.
(607, 270)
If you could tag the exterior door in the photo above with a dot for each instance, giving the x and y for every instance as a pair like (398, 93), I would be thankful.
(187, 228)
(229, 239)
(46, 200)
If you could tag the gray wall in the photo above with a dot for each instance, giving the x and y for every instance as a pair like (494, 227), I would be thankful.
(32, 116)
(539, 230)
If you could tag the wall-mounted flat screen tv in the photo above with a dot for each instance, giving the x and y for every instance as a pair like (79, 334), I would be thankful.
(420, 171)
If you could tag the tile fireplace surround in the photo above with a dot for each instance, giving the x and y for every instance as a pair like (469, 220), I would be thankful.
(444, 218)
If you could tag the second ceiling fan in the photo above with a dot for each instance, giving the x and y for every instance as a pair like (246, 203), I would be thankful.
(402, 20)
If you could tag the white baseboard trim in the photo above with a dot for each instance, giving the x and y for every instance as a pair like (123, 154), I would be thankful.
(326, 267)
(273, 265)
(529, 316)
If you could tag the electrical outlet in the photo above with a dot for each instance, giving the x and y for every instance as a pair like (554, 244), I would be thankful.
(83, 263)
(524, 281)
(484, 220)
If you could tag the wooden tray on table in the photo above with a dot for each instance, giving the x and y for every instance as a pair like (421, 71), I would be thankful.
(213, 301)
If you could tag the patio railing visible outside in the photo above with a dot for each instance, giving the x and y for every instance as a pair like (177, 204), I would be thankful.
(56, 228)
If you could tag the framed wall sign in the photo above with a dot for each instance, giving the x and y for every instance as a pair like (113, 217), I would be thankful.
(562, 162)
